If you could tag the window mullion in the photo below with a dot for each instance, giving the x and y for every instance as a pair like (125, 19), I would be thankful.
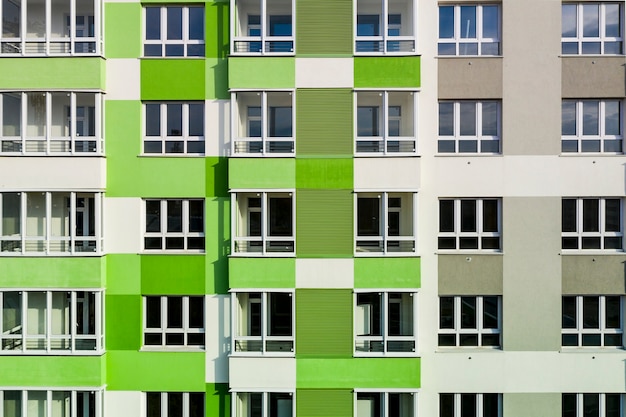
(384, 214)
(456, 129)
(479, 221)
(479, 320)
(47, 218)
(24, 404)
(23, 21)
(73, 221)
(479, 31)
(164, 401)
(264, 221)
(73, 122)
(264, 123)
(74, 321)
(185, 221)
(383, 323)
(163, 219)
(48, 319)
(185, 28)
(385, 18)
(24, 315)
(479, 404)
(163, 33)
(163, 324)
(185, 320)
(263, 25)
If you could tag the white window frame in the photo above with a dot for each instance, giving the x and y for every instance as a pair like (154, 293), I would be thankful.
(165, 330)
(186, 234)
(459, 41)
(580, 39)
(49, 391)
(388, 44)
(602, 233)
(240, 42)
(385, 400)
(71, 144)
(185, 138)
(479, 330)
(235, 411)
(580, 331)
(479, 404)
(457, 234)
(602, 407)
(164, 41)
(165, 398)
(602, 136)
(479, 138)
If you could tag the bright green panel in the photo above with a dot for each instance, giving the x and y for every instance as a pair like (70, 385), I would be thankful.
(123, 322)
(324, 403)
(172, 79)
(387, 273)
(358, 373)
(324, 27)
(155, 371)
(244, 173)
(401, 71)
(52, 371)
(123, 144)
(122, 26)
(66, 272)
(261, 72)
(262, 272)
(216, 169)
(323, 324)
(324, 173)
(217, 400)
(324, 122)
(216, 78)
(172, 274)
(217, 234)
(52, 73)
(123, 274)
(324, 223)
(216, 30)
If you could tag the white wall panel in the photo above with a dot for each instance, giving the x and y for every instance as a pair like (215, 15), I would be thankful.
(265, 373)
(324, 73)
(123, 78)
(124, 404)
(122, 225)
(58, 173)
(324, 273)
(386, 174)
(217, 127)
(217, 337)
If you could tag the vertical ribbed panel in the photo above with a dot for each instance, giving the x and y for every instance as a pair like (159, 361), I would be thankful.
(323, 322)
(324, 223)
(324, 27)
(324, 122)
(324, 403)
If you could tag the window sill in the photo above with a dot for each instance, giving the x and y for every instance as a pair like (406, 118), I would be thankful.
(52, 254)
(257, 54)
(256, 155)
(468, 56)
(574, 252)
(468, 252)
(262, 355)
(386, 355)
(468, 349)
(387, 155)
(191, 349)
(171, 155)
(263, 255)
(590, 154)
(171, 252)
(467, 154)
(386, 255)
(593, 349)
(149, 58)
(52, 353)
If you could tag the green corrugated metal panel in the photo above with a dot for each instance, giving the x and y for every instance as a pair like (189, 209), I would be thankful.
(261, 72)
(324, 403)
(387, 272)
(401, 71)
(324, 122)
(268, 173)
(172, 79)
(323, 322)
(262, 272)
(324, 223)
(123, 322)
(65, 272)
(216, 29)
(217, 400)
(52, 371)
(52, 73)
(172, 274)
(324, 27)
(325, 173)
(122, 27)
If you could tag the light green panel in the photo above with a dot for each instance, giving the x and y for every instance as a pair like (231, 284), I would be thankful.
(262, 272)
(324, 28)
(155, 371)
(123, 322)
(172, 79)
(217, 232)
(52, 73)
(387, 272)
(49, 272)
(216, 30)
(216, 78)
(123, 274)
(123, 24)
(268, 173)
(324, 223)
(261, 72)
(402, 71)
(323, 325)
(324, 122)
(217, 400)
(324, 173)
(358, 373)
(172, 274)
(52, 371)
(324, 403)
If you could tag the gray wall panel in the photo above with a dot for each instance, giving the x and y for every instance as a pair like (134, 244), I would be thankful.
(594, 274)
(470, 78)
(470, 274)
(604, 77)
(531, 404)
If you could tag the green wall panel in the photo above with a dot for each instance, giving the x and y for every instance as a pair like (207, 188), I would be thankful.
(123, 274)
(216, 31)
(324, 173)
(324, 223)
(262, 272)
(172, 274)
(268, 173)
(123, 24)
(66, 272)
(52, 73)
(387, 273)
(358, 373)
(402, 71)
(155, 371)
(216, 78)
(261, 72)
(216, 169)
(324, 122)
(323, 324)
(324, 403)
(172, 79)
(123, 322)
(217, 400)
(52, 371)
(324, 27)
(217, 235)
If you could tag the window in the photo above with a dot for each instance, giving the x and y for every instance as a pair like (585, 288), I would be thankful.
(263, 322)
(86, 402)
(263, 404)
(469, 30)
(470, 224)
(262, 123)
(171, 321)
(385, 122)
(384, 323)
(175, 404)
(592, 321)
(264, 223)
(385, 404)
(51, 123)
(592, 126)
(470, 405)
(55, 27)
(262, 27)
(470, 321)
(469, 127)
(174, 31)
(385, 223)
(592, 223)
(592, 28)
(174, 225)
(48, 223)
(174, 128)
(600, 405)
(54, 322)
(385, 26)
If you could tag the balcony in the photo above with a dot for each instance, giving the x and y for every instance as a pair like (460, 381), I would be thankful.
(262, 27)
(385, 27)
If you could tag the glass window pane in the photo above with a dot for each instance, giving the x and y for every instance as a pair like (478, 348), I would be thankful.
(153, 216)
(468, 312)
(468, 22)
(591, 405)
(568, 20)
(280, 220)
(196, 312)
(153, 120)
(153, 312)
(196, 23)
(591, 215)
(174, 404)
(196, 404)
(35, 214)
(11, 114)
(612, 118)
(468, 405)
(279, 314)
(490, 312)
(490, 215)
(490, 405)
(590, 117)
(36, 115)
(11, 10)
(446, 312)
(446, 216)
(446, 22)
(568, 118)
(613, 405)
(612, 20)
(446, 119)
(368, 216)
(613, 311)
(11, 209)
(196, 216)
(568, 306)
(446, 405)
(490, 118)
(591, 312)
(196, 119)
(174, 23)
(490, 22)
(367, 121)
(591, 20)
(613, 215)
(568, 220)
(468, 118)
(153, 23)
(569, 405)
(11, 315)
(174, 215)
(174, 120)
(174, 312)
(468, 216)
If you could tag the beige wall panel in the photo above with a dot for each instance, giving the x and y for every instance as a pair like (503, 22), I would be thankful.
(470, 78)
(531, 404)
(604, 77)
(470, 274)
(386, 174)
(594, 274)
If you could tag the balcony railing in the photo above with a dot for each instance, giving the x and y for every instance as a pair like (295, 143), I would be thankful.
(275, 45)
(379, 144)
(376, 245)
(269, 344)
(258, 246)
(257, 146)
(378, 44)
(380, 344)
